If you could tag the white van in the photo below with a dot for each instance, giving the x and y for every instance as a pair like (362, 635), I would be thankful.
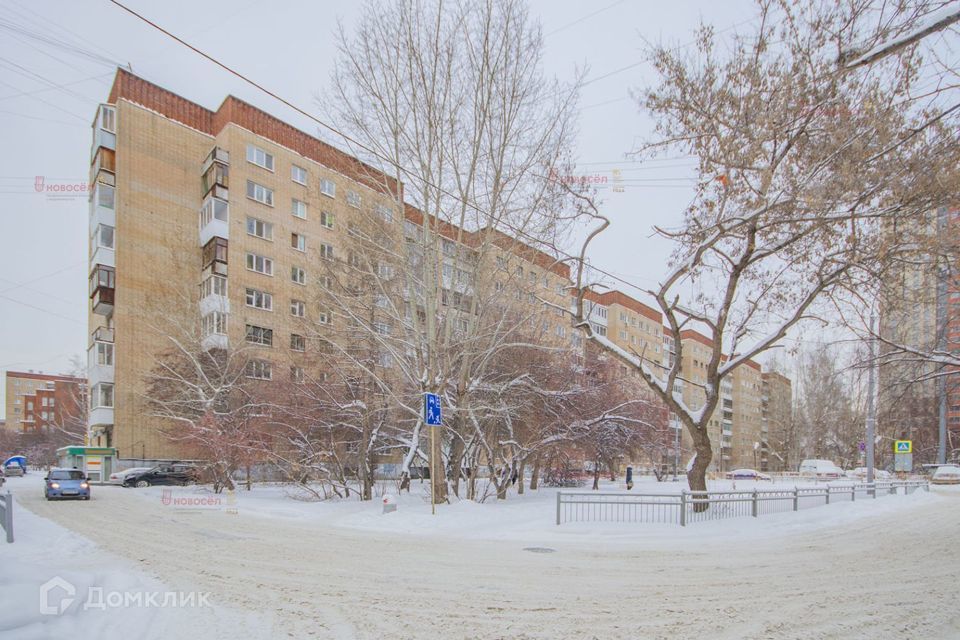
(821, 469)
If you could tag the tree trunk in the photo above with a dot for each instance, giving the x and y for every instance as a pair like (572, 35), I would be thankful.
(596, 475)
(455, 464)
(535, 476)
(697, 476)
(248, 477)
(520, 474)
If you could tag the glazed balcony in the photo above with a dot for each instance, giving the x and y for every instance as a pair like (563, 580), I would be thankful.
(214, 219)
(104, 130)
(102, 288)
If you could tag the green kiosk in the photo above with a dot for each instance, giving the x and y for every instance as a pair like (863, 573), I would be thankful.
(96, 462)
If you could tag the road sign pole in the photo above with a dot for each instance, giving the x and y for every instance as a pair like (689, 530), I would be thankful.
(871, 403)
(433, 469)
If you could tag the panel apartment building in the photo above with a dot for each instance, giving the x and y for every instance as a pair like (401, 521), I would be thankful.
(231, 219)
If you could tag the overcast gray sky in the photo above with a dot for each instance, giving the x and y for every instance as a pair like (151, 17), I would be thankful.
(57, 60)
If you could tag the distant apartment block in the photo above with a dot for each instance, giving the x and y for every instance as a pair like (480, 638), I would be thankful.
(38, 401)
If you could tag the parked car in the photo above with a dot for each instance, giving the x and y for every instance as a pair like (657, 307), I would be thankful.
(117, 477)
(13, 470)
(66, 483)
(946, 474)
(747, 474)
(820, 469)
(169, 474)
(860, 473)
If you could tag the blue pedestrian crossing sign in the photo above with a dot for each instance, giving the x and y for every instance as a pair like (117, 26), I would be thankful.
(903, 446)
(432, 415)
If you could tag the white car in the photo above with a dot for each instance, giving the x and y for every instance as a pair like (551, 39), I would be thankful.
(820, 469)
(117, 477)
(860, 473)
(747, 474)
(946, 474)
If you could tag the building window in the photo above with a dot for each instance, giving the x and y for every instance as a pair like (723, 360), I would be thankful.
(260, 264)
(296, 374)
(104, 236)
(298, 174)
(45, 401)
(259, 369)
(259, 193)
(449, 247)
(328, 188)
(214, 323)
(102, 395)
(382, 328)
(259, 157)
(259, 228)
(259, 335)
(298, 308)
(298, 343)
(259, 299)
(105, 195)
(326, 219)
(105, 354)
(326, 251)
(213, 286)
(298, 208)
(326, 282)
(213, 209)
(353, 199)
(298, 275)
(385, 213)
(298, 241)
(323, 317)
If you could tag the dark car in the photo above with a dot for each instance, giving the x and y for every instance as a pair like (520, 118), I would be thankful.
(66, 483)
(164, 475)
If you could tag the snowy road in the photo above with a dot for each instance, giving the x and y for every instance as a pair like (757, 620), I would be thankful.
(887, 575)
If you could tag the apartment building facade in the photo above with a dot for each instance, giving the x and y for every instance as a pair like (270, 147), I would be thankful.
(266, 235)
(777, 409)
(39, 401)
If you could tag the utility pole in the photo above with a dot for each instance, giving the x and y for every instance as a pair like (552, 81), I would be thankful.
(871, 404)
(942, 342)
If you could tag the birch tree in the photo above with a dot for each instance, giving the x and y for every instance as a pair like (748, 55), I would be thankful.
(450, 100)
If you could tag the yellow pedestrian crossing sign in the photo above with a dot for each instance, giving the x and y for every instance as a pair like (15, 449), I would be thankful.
(903, 446)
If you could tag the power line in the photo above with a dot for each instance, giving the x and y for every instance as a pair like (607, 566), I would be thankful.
(351, 140)
(586, 17)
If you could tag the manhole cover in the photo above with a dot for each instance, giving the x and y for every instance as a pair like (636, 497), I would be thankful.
(539, 549)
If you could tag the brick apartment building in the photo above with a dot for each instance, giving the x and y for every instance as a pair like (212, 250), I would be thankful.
(233, 218)
(38, 401)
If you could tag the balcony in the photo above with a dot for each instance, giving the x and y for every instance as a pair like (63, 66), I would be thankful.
(102, 334)
(102, 206)
(213, 296)
(102, 287)
(101, 246)
(104, 130)
(214, 257)
(214, 220)
(101, 416)
(216, 174)
(100, 363)
(214, 341)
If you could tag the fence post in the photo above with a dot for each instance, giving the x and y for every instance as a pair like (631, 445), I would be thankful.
(873, 489)
(8, 516)
(853, 493)
(683, 507)
(755, 504)
(828, 494)
(558, 508)
(796, 498)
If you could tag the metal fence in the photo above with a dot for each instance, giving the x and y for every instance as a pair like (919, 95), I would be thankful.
(6, 515)
(690, 507)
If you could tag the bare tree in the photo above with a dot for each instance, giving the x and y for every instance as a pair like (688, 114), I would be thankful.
(798, 166)
(450, 100)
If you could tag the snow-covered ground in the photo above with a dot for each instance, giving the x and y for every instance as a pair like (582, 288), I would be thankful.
(80, 576)
(875, 568)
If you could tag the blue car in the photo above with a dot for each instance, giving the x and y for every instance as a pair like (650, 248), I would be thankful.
(66, 483)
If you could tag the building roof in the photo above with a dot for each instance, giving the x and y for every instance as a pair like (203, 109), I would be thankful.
(30, 375)
(131, 87)
(622, 299)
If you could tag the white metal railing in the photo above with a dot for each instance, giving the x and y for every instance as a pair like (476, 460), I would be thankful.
(690, 506)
